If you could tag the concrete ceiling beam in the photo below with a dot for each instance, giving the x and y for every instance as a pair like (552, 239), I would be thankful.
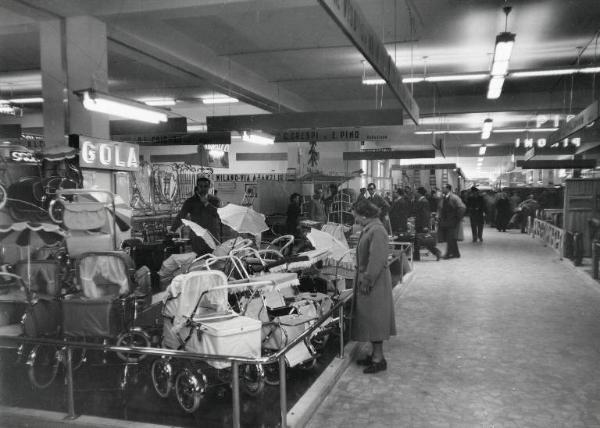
(159, 45)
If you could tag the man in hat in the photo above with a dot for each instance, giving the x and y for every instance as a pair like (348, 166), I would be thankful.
(202, 210)
(476, 211)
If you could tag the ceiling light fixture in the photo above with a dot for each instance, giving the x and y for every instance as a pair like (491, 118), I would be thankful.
(482, 150)
(30, 100)
(158, 102)
(495, 87)
(518, 130)
(502, 52)
(454, 131)
(218, 99)
(257, 137)
(486, 130)
(373, 81)
(115, 106)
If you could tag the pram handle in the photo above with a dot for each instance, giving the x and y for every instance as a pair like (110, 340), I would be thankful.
(211, 259)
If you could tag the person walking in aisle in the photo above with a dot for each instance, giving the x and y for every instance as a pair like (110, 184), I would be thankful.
(373, 306)
(528, 208)
(476, 211)
(422, 223)
(503, 211)
(451, 214)
(399, 212)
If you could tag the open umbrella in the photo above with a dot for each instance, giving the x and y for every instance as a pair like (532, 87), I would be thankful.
(323, 240)
(243, 219)
(30, 234)
(202, 233)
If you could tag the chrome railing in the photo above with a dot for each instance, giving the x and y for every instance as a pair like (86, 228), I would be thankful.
(235, 361)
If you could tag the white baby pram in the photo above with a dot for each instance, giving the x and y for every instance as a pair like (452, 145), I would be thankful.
(198, 319)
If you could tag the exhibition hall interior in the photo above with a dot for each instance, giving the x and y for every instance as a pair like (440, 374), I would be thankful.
(269, 213)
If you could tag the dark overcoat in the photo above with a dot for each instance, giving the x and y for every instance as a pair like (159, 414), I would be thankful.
(373, 314)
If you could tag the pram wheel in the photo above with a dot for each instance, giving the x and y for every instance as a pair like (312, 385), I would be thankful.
(271, 373)
(252, 379)
(43, 362)
(319, 340)
(137, 338)
(189, 389)
(162, 377)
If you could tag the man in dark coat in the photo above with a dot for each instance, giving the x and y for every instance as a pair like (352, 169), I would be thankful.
(476, 211)
(451, 214)
(399, 212)
(379, 202)
(422, 223)
(202, 209)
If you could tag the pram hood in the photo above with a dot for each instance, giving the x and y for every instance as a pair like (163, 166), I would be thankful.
(190, 296)
(97, 270)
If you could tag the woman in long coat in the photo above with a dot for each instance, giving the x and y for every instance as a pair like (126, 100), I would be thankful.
(373, 306)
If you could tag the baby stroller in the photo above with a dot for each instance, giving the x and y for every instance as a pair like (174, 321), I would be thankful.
(103, 310)
(93, 224)
(198, 318)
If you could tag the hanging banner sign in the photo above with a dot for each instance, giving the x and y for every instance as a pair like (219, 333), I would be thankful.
(104, 154)
(428, 166)
(557, 164)
(330, 134)
(577, 123)
(388, 154)
(353, 23)
(192, 139)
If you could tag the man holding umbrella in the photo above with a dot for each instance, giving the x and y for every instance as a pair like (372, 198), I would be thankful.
(202, 209)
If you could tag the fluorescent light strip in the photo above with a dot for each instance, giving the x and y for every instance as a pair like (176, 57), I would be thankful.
(456, 77)
(456, 131)
(486, 130)
(541, 73)
(32, 100)
(518, 130)
(495, 87)
(109, 105)
(373, 81)
(197, 128)
(220, 99)
(157, 102)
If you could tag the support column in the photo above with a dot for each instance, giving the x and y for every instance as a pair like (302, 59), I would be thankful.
(73, 57)
(54, 82)
(87, 67)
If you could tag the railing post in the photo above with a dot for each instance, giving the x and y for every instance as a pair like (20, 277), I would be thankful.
(236, 393)
(341, 321)
(70, 397)
(282, 391)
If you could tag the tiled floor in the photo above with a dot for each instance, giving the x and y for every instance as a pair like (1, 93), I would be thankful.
(506, 336)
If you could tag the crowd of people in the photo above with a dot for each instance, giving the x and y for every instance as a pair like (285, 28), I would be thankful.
(381, 216)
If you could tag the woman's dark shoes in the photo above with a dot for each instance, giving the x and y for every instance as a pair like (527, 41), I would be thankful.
(366, 361)
(376, 367)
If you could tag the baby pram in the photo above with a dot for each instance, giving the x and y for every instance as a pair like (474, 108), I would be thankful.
(91, 218)
(198, 318)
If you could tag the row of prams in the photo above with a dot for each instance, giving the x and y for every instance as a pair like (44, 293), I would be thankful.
(201, 311)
